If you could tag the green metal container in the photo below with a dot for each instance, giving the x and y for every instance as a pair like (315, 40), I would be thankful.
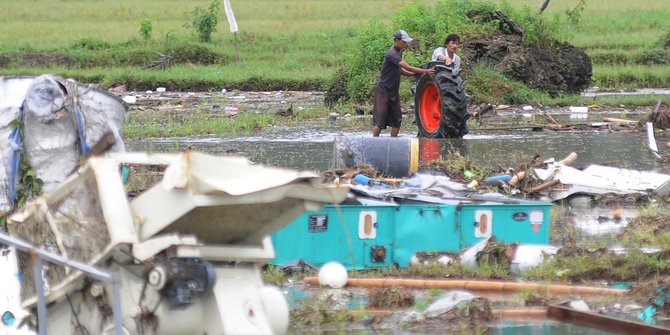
(381, 235)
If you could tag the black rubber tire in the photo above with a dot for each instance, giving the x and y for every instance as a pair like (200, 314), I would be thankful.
(453, 102)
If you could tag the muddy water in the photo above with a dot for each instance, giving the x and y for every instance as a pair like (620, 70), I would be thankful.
(505, 328)
(311, 148)
(543, 328)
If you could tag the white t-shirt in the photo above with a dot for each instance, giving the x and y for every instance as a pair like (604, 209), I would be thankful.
(443, 51)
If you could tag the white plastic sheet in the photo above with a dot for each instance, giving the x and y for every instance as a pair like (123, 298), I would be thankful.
(230, 15)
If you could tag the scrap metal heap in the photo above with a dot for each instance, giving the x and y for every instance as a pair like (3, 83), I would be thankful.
(188, 249)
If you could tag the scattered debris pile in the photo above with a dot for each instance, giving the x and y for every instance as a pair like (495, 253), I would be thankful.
(660, 118)
(549, 179)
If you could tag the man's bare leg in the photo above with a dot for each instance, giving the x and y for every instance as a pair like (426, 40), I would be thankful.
(376, 131)
(394, 132)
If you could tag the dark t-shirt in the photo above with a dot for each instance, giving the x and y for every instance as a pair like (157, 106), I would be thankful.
(389, 82)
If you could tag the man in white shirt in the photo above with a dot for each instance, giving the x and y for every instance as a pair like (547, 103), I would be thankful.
(447, 54)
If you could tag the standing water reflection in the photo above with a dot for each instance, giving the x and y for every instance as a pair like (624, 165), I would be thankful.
(312, 150)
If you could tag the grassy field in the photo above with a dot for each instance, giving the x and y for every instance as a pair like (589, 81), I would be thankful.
(55, 23)
(285, 44)
(624, 38)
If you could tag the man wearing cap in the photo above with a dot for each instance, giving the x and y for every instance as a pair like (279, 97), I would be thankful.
(386, 110)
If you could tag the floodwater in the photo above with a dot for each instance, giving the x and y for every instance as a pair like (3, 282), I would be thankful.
(312, 148)
(504, 328)
(543, 328)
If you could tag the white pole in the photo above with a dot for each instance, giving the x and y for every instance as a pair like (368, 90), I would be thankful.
(232, 23)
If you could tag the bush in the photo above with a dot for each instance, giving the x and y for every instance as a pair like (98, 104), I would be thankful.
(655, 56)
(196, 54)
(146, 28)
(337, 88)
(204, 21)
(539, 30)
(365, 58)
(418, 19)
(575, 14)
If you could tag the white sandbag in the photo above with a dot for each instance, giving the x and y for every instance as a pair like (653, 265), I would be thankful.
(49, 136)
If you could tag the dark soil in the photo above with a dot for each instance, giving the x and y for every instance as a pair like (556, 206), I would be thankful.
(563, 68)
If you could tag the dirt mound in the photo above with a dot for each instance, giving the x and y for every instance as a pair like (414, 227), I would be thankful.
(561, 68)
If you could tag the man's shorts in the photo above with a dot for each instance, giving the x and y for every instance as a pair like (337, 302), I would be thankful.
(386, 111)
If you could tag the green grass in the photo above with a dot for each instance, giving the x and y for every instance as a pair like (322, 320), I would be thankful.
(202, 122)
(632, 75)
(627, 100)
(52, 24)
(632, 266)
(285, 44)
(279, 41)
(614, 24)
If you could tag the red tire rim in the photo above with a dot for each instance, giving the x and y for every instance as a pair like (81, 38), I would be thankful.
(429, 108)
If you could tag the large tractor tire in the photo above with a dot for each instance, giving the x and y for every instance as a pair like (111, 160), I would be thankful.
(440, 103)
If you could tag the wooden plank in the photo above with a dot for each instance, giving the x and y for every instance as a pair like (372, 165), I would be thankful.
(604, 322)
(613, 119)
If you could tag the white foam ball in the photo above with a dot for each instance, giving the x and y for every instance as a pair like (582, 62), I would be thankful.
(333, 274)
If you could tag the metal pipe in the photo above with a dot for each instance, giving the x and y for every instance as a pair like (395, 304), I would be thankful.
(118, 321)
(41, 301)
(55, 258)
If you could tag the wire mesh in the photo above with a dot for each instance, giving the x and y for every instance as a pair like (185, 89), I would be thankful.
(72, 226)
